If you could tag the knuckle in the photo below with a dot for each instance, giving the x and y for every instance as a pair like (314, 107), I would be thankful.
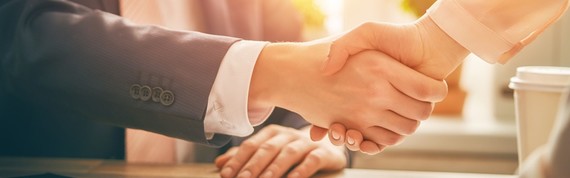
(366, 25)
(432, 93)
(291, 150)
(314, 158)
(394, 139)
(425, 111)
(379, 67)
(269, 147)
(252, 168)
(427, 92)
(374, 91)
(423, 93)
(270, 128)
(276, 168)
(413, 126)
(249, 145)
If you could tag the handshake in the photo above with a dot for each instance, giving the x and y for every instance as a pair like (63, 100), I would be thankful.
(367, 89)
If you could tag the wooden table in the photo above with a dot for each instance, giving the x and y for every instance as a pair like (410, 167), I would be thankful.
(10, 167)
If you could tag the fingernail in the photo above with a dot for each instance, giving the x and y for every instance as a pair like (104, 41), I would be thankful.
(267, 174)
(226, 172)
(335, 135)
(294, 175)
(350, 140)
(244, 174)
(373, 152)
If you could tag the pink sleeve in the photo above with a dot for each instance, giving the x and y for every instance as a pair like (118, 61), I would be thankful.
(496, 30)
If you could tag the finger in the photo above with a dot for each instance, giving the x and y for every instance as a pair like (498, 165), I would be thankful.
(382, 136)
(370, 147)
(353, 139)
(337, 133)
(290, 155)
(415, 84)
(354, 41)
(414, 109)
(336, 59)
(264, 155)
(245, 151)
(224, 158)
(396, 123)
(392, 98)
(317, 133)
(312, 163)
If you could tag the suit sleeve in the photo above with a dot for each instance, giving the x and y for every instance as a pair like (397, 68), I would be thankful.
(57, 53)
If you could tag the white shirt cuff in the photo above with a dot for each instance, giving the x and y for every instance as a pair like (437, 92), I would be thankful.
(227, 111)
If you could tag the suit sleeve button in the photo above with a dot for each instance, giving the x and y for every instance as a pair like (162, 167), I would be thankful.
(156, 92)
(145, 93)
(135, 91)
(167, 98)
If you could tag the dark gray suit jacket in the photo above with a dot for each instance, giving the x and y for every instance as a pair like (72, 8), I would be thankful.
(66, 72)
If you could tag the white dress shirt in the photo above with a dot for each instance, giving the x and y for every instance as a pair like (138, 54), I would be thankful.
(227, 111)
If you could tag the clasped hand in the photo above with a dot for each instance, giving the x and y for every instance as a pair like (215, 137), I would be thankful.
(421, 46)
(371, 87)
(374, 94)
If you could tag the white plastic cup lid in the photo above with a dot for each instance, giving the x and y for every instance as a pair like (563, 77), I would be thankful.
(544, 78)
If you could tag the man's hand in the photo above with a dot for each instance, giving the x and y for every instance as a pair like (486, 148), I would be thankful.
(373, 93)
(275, 150)
(351, 138)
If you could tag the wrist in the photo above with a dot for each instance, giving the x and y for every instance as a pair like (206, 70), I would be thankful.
(283, 70)
(440, 48)
(261, 89)
(269, 77)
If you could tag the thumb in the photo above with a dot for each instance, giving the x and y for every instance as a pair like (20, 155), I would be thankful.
(337, 57)
(359, 39)
(317, 133)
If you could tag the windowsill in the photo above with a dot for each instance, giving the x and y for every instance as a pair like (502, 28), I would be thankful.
(458, 135)
(446, 144)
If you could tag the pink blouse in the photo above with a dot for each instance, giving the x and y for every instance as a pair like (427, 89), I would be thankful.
(496, 30)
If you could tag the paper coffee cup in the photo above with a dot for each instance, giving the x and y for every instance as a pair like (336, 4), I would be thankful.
(539, 94)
